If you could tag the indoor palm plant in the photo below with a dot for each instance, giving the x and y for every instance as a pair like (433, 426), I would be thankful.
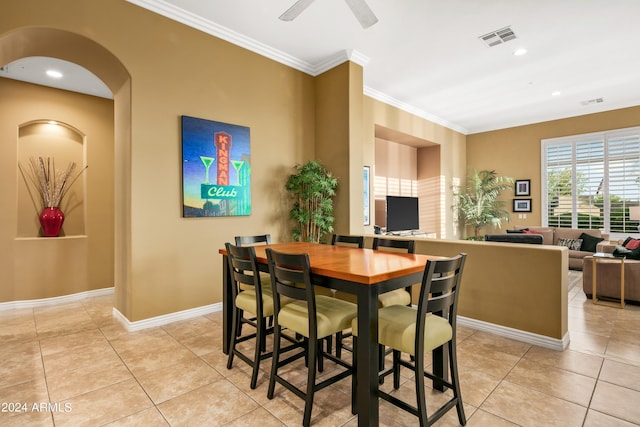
(50, 185)
(312, 188)
(478, 203)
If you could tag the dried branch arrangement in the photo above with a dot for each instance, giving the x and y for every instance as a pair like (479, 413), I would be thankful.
(50, 183)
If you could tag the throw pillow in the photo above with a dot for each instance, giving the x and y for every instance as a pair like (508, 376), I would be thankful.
(514, 231)
(531, 232)
(572, 244)
(621, 251)
(589, 242)
(632, 244)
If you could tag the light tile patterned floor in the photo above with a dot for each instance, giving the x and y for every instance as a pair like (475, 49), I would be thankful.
(95, 373)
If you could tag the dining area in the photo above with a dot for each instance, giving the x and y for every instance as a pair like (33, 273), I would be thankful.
(336, 311)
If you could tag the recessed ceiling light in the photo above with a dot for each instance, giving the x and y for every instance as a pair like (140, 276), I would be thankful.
(52, 122)
(556, 93)
(520, 52)
(55, 74)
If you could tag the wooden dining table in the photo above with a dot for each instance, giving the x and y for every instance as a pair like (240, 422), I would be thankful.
(365, 273)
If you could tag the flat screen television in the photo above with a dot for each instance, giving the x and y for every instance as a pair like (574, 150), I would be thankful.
(402, 213)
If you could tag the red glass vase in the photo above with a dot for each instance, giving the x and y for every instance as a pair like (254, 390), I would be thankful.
(51, 220)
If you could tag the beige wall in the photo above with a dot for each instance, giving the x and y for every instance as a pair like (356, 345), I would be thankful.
(445, 159)
(35, 267)
(159, 70)
(166, 263)
(516, 151)
(396, 175)
(503, 286)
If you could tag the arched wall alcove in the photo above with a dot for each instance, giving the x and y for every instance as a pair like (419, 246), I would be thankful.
(58, 145)
(74, 253)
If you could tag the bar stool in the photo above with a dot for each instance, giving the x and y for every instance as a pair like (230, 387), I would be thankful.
(417, 331)
(312, 316)
(248, 294)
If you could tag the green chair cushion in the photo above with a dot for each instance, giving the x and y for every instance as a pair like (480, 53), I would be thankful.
(397, 329)
(333, 315)
(246, 300)
(395, 297)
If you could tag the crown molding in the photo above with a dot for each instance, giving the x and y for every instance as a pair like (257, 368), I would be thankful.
(192, 20)
(382, 97)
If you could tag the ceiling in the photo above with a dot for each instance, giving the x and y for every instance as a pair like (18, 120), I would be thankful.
(426, 56)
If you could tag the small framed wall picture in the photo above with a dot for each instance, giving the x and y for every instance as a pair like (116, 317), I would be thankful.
(522, 205)
(367, 213)
(523, 187)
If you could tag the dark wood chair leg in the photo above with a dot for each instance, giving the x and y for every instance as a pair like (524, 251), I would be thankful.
(354, 377)
(234, 335)
(274, 362)
(259, 348)
(396, 369)
(420, 392)
(462, 419)
(311, 381)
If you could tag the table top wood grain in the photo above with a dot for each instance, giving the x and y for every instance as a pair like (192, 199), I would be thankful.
(365, 266)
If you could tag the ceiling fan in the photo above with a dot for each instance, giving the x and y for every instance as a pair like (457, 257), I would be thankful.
(360, 9)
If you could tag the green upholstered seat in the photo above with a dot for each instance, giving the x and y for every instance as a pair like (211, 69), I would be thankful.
(395, 297)
(246, 300)
(397, 329)
(333, 315)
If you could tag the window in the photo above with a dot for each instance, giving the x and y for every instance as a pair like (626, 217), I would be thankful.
(591, 180)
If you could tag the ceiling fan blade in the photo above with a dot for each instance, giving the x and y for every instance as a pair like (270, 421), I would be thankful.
(363, 12)
(295, 10)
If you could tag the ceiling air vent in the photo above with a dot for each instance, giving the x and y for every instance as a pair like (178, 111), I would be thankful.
(497, 37)
(592, 101)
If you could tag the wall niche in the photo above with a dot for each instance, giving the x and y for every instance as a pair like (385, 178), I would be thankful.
(63, 144)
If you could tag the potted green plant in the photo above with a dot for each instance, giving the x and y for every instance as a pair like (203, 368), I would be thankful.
(312, 188)
(478, 203)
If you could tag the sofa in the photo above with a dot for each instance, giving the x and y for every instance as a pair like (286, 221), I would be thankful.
(535, 239)
(593, 240)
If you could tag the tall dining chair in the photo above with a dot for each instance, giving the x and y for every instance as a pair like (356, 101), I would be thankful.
(399, 296)
(253, 240)
(417, 331)
(346, 240)
(248, 295)
(350, 241)
(312, 316)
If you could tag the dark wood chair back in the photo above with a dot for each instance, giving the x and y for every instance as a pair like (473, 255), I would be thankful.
(244, 271)
(253, 240)
(343, 240)
(408, 245)
(440, 291)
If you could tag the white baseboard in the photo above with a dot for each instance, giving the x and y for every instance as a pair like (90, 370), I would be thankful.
(12, 305)
(516, 334)
(165, 318)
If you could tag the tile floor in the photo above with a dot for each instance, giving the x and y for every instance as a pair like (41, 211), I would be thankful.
(95, 373)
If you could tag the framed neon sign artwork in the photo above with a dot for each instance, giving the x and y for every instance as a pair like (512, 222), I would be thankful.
(216, 168)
